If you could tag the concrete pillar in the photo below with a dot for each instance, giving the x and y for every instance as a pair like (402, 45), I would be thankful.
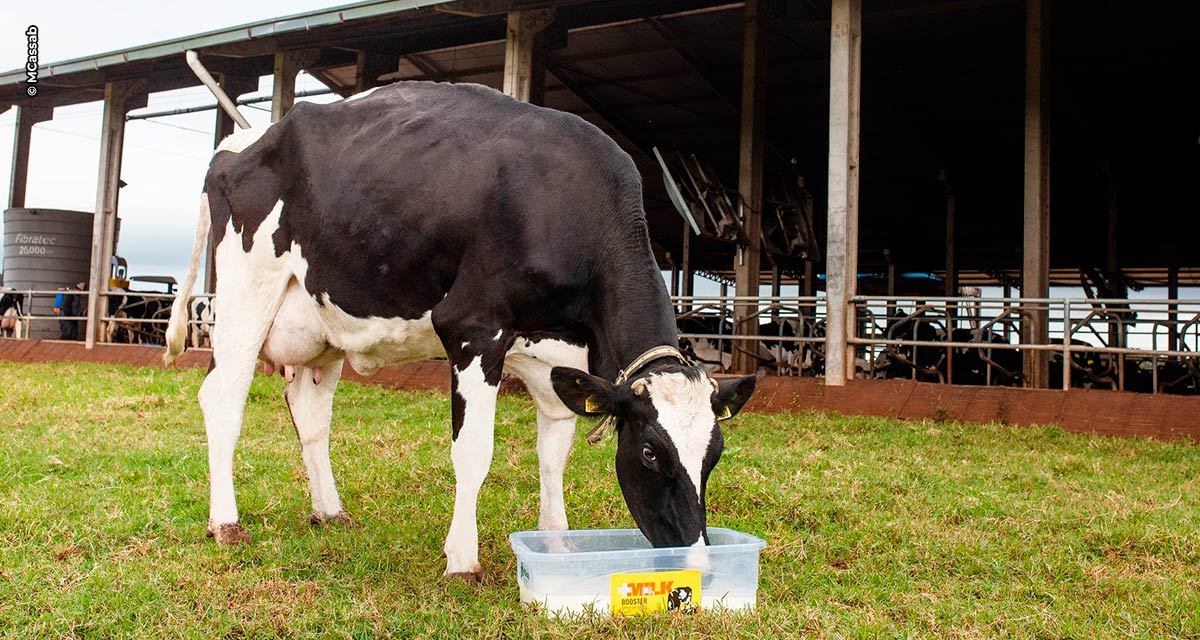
(951, 281)
(845, 81)
(19, 177)
(525, 55)
(1172, 294)
(748, 262)
(951, 260)
(1035, 275)
(120, 97)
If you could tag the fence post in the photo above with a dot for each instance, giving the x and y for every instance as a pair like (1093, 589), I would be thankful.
(1067, 333)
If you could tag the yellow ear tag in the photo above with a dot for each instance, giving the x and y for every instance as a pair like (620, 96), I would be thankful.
(725, 413)
(591, 405)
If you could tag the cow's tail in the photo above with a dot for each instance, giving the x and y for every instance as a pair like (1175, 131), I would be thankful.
(177, 328)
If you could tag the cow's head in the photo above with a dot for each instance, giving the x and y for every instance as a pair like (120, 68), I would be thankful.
(668, 440)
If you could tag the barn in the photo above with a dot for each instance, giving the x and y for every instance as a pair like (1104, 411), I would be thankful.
(968, 191)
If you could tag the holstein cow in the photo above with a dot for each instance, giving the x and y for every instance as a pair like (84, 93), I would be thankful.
(715, 355)
(200, 315)
(11, 304)
(420, 220)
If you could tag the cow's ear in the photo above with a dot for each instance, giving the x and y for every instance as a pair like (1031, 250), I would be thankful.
(731, 395)
(582, 392)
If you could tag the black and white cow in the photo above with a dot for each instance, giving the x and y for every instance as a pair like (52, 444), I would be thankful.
(200, 315)
(11, 305)
(715, 355)
(129, 313)
(420, 220)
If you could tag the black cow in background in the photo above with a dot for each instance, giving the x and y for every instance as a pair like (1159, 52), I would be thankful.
(1089, 369)
(921, 363)
(127, 308)
(971, 365)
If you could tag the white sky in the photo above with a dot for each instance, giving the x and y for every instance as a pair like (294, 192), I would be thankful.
(165, 158)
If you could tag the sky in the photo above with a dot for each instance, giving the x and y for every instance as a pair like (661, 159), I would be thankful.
(164, 158)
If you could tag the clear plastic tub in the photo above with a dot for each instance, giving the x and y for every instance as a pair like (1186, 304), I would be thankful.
(573, 571)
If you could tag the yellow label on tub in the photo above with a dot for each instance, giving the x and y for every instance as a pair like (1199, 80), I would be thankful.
(638, 593)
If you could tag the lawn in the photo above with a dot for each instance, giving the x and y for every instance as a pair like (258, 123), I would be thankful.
(875, 527)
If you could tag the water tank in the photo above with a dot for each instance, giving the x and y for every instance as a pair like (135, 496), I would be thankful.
(45, 249)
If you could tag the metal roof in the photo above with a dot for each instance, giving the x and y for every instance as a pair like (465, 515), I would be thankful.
(229, 35)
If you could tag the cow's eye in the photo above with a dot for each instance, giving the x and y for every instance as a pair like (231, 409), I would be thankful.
(648, 454)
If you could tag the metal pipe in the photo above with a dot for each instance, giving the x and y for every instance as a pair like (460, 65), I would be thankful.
(193, 61)
(210, 107)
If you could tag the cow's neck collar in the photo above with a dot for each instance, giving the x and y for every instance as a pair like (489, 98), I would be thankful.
(639, 364)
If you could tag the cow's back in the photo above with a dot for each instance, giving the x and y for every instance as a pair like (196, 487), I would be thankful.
(395, 194)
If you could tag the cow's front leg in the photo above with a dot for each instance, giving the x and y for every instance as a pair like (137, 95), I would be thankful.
(309, 398)
(476, 364)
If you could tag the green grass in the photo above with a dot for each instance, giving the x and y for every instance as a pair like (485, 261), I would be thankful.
(875, 527)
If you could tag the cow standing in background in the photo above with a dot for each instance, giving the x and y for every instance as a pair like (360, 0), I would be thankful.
(200, 320)
(11, 310)
(419, 220)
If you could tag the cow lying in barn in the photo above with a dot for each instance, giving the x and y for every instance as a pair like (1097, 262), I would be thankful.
(419, 220)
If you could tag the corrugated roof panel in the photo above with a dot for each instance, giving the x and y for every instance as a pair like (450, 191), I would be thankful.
(239, 33)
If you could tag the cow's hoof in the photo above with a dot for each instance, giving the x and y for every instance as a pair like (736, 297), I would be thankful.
(340, 518)
(474, 576)
(228, 534)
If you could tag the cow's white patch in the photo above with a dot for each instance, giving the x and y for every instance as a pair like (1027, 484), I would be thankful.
(242, 138)
(369, 343)
(360, 96)
(685, 412)
(471, 454)
(499, 334)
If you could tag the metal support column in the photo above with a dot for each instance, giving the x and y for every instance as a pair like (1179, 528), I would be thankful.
(841, 253)
(120, 97)
(748, 262)
(1036, 260)
(19, 177)
(686, 274)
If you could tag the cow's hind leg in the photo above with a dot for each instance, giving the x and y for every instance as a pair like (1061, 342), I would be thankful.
(250, 305)
(223, 400)
(532, 361)
(311, 405)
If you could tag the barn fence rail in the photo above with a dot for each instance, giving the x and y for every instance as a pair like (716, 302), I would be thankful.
(125, 316)
(1150, 345)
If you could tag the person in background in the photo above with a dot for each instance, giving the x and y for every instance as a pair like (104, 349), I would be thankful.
(69, 304)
